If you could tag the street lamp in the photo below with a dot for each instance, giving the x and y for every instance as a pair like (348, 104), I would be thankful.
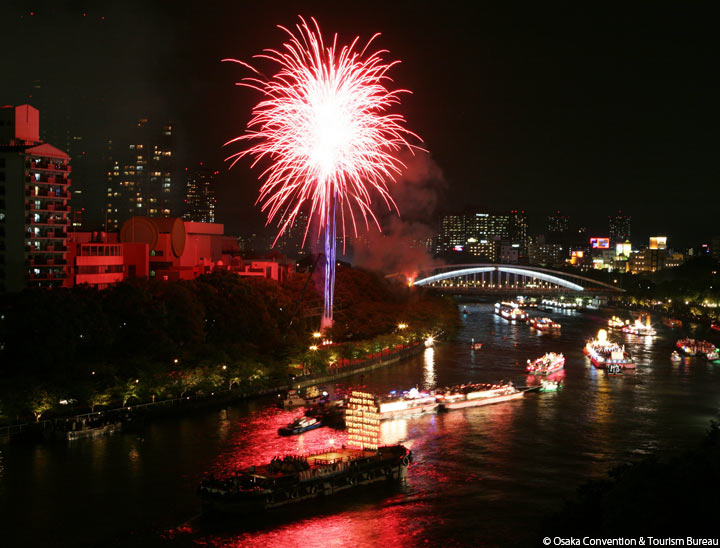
(317, 335)
(402, 326)
(314, 347)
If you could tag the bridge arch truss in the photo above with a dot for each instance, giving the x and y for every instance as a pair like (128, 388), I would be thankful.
(489, 278)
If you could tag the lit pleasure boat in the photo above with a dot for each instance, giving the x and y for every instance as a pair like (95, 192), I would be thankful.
(406, 404)
(548, 364)
(474, 395)
(615, 323)
(639, 329)
(544, 324)
(675, 357)
(511, 312)
(692, 347)
(603, 353)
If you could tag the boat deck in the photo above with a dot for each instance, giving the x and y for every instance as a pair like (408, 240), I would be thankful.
(338, 455)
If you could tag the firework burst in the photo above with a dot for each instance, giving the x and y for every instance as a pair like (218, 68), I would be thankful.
(325, 128)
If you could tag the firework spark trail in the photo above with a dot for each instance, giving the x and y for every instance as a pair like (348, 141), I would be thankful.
(325, 128)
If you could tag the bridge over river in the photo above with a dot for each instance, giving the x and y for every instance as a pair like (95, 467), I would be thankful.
(506, 279)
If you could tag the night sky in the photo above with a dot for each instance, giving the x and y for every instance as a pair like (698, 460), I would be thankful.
(579, 109)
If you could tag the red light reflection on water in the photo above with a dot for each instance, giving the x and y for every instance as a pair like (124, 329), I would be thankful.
(255, 440)
(389, 526)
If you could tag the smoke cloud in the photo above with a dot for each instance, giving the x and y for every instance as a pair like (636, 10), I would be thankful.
(406, 242)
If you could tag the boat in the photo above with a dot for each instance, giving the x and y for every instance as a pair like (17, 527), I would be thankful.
(298, 426)
(511, 312)
(615, 323)
(295, 399)
(715, 326)
(548, 364)
(713, 355)
(639, 329)
(474, 345)
(675, 357)
(473, 395)
(550, 386)
(294, 479)
(544, 324)
(672, 322)
(693, 347)
(404, 404)
(603, 352)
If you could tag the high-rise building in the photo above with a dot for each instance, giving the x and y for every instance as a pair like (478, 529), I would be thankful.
(484, 233)
(200, 195)
(518, 230)
(619, 227)
(541, 252)
(480, 233)
(139, 174)
(557, 223)
(452, 235)
(34, 204)
(557, 229)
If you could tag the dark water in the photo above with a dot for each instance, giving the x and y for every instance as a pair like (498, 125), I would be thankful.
(483, 476)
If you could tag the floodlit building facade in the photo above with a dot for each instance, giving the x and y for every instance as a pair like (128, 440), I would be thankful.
(34, 204)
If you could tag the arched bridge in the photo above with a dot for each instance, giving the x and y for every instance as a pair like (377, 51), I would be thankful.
(509, 278)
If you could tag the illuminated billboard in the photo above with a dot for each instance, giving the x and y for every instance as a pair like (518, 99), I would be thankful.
(623, 249)
(600, 243)
(658, 242)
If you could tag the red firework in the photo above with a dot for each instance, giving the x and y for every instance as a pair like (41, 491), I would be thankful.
(325, 127)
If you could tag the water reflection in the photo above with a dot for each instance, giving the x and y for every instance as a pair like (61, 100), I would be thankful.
(393, 431)
(429, 380)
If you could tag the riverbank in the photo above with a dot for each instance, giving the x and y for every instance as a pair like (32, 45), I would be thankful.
(132, 416)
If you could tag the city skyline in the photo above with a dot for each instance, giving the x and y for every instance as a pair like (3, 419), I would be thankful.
(600, 113)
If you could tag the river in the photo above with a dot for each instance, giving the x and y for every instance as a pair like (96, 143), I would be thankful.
(482, 476)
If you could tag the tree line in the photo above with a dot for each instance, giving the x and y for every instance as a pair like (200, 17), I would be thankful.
(141, 340)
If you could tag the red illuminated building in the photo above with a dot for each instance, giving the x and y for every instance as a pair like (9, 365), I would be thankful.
(34, 199)
(99, 259)
(166, 249)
